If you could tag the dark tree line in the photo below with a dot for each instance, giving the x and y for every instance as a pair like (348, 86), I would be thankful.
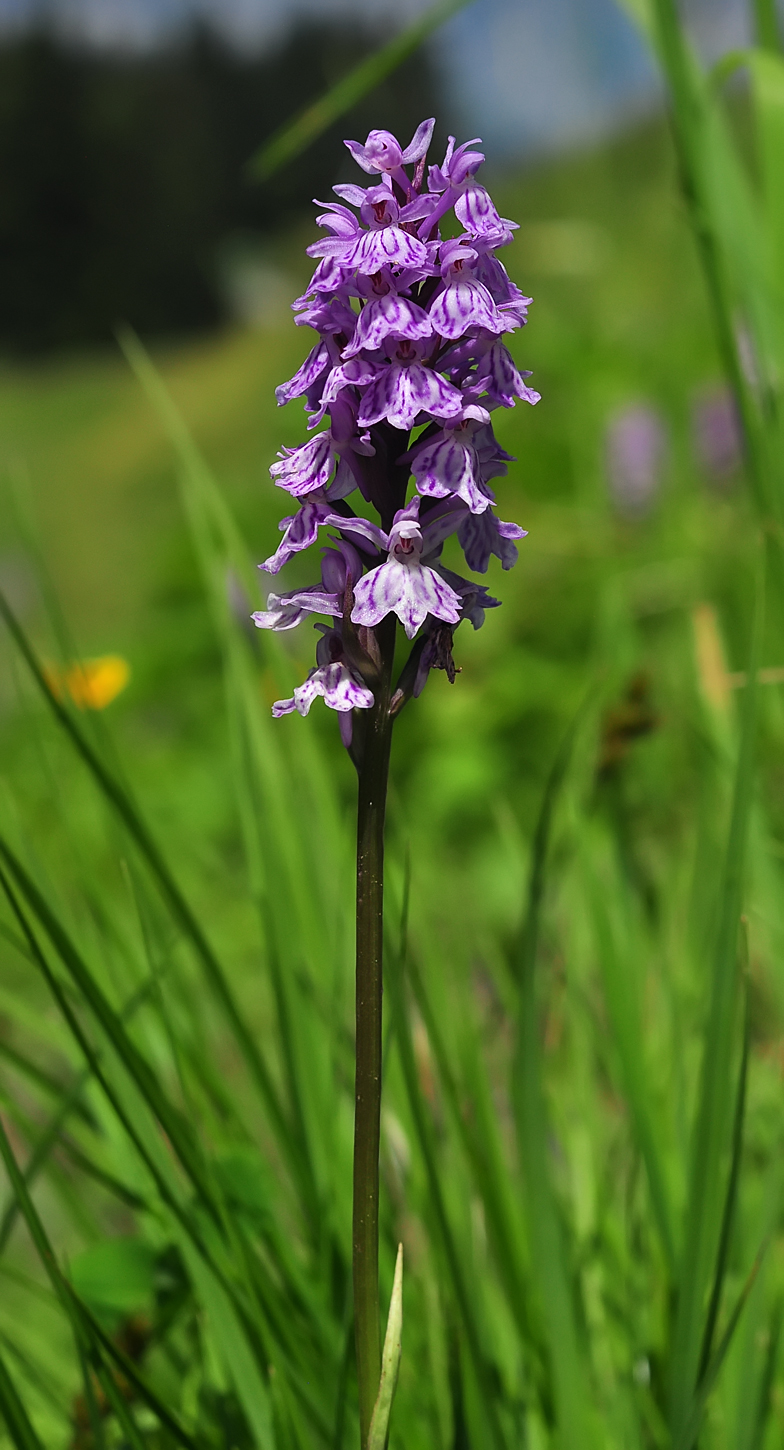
(120, 175)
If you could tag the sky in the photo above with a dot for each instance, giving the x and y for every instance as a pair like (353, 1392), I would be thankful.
(525, 75)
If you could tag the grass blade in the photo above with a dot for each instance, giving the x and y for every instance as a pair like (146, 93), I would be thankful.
(120, 801)
(87, 1331)
(452, 1257)
(713, 1125)
(624, 1013)
(548, 1256)
(12, 1409)
(390, 1362)
(296, 135)
(730, 1200)
(688, 1435)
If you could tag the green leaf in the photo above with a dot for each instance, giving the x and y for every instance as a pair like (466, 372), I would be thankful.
(296, 135)
(390, 1362)
(117, 1275)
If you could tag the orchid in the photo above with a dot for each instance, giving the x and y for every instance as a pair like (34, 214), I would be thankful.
(411, 360)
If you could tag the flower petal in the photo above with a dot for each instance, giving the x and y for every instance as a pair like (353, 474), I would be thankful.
(465, 304)
(379, 592)
(419, 142)
(312, 368)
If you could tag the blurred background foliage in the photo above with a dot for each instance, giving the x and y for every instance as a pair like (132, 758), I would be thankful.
(124, 194)
(526, 1117)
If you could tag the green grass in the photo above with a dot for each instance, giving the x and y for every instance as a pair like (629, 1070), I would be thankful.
(564, 1157)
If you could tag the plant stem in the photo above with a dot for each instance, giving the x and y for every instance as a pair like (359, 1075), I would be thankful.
(372, 795)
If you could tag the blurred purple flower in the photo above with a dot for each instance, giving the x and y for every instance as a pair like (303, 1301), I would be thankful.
(636, 446)
(718, 441)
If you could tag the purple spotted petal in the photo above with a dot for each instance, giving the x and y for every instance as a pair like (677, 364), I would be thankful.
(328, 316)
(449, 466)
(411, 590)
(284, 707)
(343, 691)
(303, 470)
(503, 379)
(389, 247)
(389, 316)
(474, 597)
(465, 304)
(286, 611)
(400, 393)
(476, 211)
(482, 535)
(340, 688)
(356, 373)
(305, 377)
(300, 531)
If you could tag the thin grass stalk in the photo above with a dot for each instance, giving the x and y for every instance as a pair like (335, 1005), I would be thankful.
(373, 770)
(12, 1410)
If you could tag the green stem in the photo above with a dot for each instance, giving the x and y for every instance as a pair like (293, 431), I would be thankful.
(372, 795)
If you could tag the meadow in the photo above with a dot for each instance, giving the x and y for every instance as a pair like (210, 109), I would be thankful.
(582, 1125)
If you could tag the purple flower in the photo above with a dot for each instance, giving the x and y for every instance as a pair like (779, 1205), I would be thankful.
(484, 534)
(407, 388)
(384, 245)
(718, 440)
(299, 530)
(635, 447)
(339, 685)
(340, 566)
(388, 316)
(314, 366)
(473, 207)
(381, 151)
(448, 464)
(403, 584)
(474, 598)
(501, 379)
(305, 469)
(411, 329)
(464, 302)
(308, 468)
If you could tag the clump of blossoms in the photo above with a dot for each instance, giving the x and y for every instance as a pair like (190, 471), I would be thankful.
(409, 366)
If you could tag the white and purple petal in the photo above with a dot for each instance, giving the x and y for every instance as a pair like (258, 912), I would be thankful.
(304, 378)
(388, 247)
(402, 392)
(300, 530)
(503, 379)
(389, 316)
(447, 466)
(463, 304)
(409, 589)
(305, 469)
(417, 146)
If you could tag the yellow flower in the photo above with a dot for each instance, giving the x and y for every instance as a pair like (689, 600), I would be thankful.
(91, 684)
